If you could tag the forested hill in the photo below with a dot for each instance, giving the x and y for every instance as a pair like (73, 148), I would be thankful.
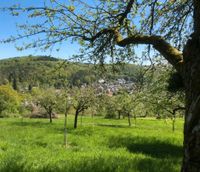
(45, 71)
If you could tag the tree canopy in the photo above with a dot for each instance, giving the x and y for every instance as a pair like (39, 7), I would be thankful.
(106, 28)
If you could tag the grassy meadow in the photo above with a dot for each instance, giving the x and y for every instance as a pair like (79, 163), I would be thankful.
(97, 145)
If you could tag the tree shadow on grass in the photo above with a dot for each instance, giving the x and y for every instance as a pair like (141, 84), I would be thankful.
(31, 123)
(150, 146)
(159, 165)
(113, 125)
(101, 164)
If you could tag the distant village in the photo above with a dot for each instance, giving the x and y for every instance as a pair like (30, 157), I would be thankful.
(112, 87)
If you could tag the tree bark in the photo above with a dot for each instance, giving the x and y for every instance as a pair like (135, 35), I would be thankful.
(76, 119)
(191, 54)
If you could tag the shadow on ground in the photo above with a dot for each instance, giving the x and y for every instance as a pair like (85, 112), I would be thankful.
(55, 127)
(147, 145)
(31, 123)
(113, 125)
(104, 163)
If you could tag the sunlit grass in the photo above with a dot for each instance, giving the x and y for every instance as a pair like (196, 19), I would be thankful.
(98, 145)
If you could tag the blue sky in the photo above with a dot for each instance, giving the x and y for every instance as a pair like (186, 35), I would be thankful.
(8, 28)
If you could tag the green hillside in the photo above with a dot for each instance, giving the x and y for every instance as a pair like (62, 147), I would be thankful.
(40, 71)
(45, 71)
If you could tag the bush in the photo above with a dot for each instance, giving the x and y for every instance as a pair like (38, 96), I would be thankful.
(9, 101)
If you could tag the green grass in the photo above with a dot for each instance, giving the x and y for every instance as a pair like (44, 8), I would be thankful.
(99, 145)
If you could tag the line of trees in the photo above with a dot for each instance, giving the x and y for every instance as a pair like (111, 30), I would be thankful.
(151, 97)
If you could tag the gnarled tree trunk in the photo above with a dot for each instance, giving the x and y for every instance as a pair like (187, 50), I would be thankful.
(191, 55)
(191, 161)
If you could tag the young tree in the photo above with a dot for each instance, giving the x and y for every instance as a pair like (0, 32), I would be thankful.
(68, 104)
(81, 100)
(48, 99)
(167, 26)
(128, 108)
(159, 99)
(110, 107)
(119, 106)
(101, 102)
(166, 104)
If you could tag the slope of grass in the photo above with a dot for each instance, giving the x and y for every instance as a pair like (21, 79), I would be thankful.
(98, 145)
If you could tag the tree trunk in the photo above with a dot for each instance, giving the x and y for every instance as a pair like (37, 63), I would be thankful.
(50, 116)
(82, 117)
(119, 114)
(76, 119)
(129, 120)
(135, 119)
(191, 161)
(173, 119)
(65, 129)
(173, 123)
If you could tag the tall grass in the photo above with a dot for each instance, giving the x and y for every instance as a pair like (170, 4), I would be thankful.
(99, 145)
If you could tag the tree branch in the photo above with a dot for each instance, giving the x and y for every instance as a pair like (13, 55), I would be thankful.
(125, 13)
(99, 34)
(172, 55)
(178, 109)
